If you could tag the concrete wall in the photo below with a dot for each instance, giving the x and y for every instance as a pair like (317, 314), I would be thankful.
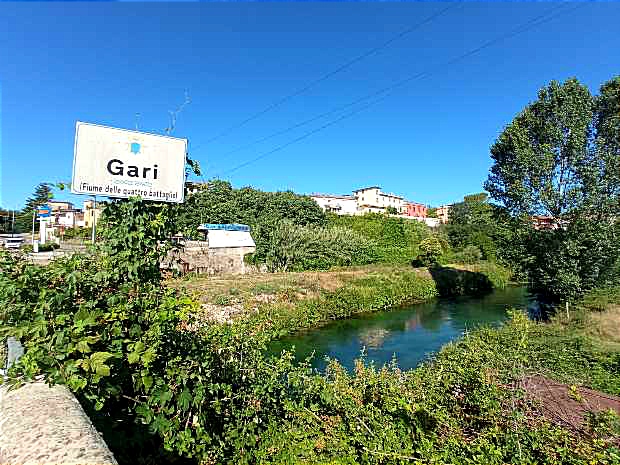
(40, 424)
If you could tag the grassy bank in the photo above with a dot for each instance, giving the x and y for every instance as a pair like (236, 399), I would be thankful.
(282, 303)
(471, 403)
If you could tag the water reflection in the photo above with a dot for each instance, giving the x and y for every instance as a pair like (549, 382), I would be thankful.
(410, 334)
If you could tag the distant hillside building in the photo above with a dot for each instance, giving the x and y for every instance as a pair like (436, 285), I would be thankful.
(546, 222)
(59, 205)
(414, 209)
(339, 204)
(443, 213)
(91, 213)
(371, 199)
(192, 187)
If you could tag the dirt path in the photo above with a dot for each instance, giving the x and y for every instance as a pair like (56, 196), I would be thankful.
(566, 405)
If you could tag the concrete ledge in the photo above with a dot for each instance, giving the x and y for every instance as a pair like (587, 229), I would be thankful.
(47, 425)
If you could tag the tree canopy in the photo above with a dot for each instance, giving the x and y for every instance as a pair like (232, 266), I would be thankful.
(559, 157)
(42, 193)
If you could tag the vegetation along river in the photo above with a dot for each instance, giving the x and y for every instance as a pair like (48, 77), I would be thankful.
(410, 333)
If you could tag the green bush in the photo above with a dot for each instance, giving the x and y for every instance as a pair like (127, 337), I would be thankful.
(77, 233)
(48, 247)
(289, 247)
(396, 239)
(431, 251)
(469, 255)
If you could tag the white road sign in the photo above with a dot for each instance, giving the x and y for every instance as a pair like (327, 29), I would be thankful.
(115, 162)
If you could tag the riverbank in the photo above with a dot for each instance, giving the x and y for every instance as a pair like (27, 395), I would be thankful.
(524, 393)
(281, 303)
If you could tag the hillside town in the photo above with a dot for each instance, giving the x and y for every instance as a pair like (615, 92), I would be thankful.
(373, 200)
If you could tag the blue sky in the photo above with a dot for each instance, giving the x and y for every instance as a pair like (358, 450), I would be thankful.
(429, 140)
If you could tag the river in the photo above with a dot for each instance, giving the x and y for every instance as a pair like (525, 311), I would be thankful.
(409, 333)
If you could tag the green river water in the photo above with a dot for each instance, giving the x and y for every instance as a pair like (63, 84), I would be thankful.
(409, 333)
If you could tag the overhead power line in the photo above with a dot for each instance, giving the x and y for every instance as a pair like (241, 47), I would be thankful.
(534, 22)
(326, 76)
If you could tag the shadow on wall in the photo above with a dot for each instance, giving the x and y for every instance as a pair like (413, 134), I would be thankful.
(452, 282)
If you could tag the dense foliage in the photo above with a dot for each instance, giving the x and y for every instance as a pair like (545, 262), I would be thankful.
(472, 223)
(133, 353)
(289, 247)
(77, 233)
(218, 202)
(559, 158)
(397, 239)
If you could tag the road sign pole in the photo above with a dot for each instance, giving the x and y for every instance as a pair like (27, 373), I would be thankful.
(94, 218)
(34, 214)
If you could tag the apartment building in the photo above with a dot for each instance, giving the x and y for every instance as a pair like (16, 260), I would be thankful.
(91, 213)
(58, 206)
(416, 210)
(443, 213)
(339, 204)
(372, 199)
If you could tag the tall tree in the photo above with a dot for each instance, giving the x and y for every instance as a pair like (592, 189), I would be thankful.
(557, 158)
(42, 193)
(471, 223)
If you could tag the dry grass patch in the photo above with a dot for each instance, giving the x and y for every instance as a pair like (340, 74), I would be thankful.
(249, 291)
(606, 325)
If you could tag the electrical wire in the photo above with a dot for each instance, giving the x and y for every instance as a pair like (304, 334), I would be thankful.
(536, 21)
(328, 75)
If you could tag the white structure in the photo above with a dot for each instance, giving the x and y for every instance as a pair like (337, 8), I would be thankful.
(222, 252)
(371, 199)
(432, 222)
(339, 204)
(67, 218)
(226, 239)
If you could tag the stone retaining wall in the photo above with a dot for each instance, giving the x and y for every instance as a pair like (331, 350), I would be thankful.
(198, 257)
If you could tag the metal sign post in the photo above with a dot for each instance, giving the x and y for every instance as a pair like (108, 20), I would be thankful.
(94, 210)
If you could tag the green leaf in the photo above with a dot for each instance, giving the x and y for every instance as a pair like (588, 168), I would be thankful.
(83, 347)
(185, 399)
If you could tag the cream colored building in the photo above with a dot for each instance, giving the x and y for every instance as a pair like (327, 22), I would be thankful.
(371, 199)
(91, 213)
(339, 204)
(59, 205)
(443, 213)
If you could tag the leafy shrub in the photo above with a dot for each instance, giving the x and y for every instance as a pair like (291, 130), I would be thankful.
(288, 247)
(48, 247)
(77, 233)
(218, 202)
(469, 255)
(431, 251)
(396, 239)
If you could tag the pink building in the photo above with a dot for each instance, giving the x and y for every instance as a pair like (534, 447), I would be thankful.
(415, 209)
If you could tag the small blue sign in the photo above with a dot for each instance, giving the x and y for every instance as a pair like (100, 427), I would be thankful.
(135, 148)
(44, 211)
(224, 227)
